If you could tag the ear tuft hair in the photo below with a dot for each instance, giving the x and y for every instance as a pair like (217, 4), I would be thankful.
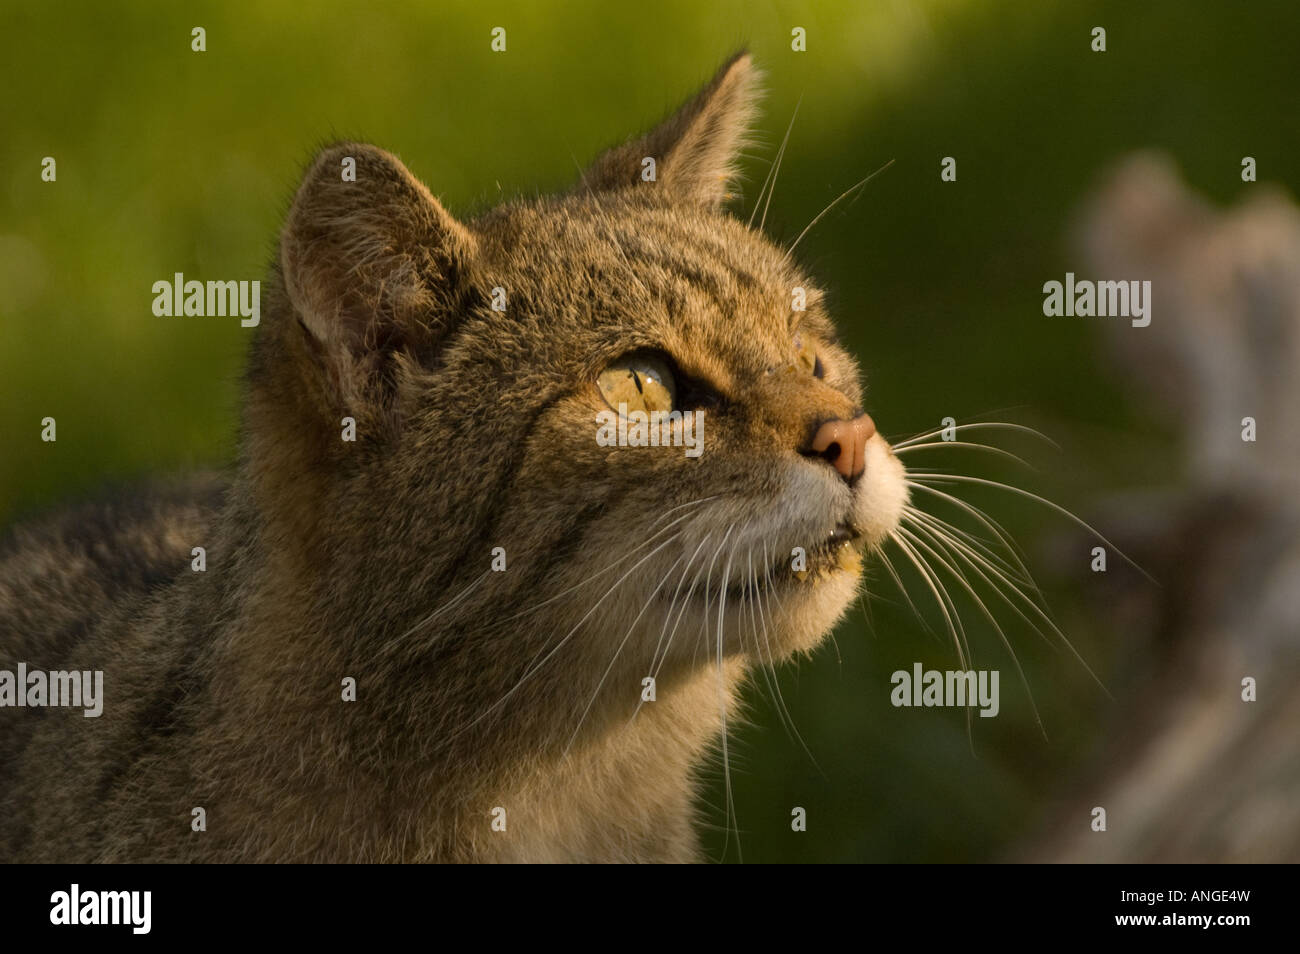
(697, 148)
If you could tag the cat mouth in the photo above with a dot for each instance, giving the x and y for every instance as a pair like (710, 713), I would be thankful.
(839, 552)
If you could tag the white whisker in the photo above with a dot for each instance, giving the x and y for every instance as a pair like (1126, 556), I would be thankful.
(1047, 503)
(957, 575)
(534, 666)
(975, 425)
(626, 636)
(722, 704)
(972, 445)
(775, 171)
(834, 202)
(936, 588)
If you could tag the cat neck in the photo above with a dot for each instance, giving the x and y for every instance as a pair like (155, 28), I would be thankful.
(418, 749)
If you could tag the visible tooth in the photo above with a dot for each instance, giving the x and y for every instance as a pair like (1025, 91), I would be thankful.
(800, 575)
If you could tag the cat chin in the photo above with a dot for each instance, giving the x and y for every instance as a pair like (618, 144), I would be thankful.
(790, 616)
(811, 608)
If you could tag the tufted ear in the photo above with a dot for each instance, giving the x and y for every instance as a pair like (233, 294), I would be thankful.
(695, 150)
(369, 260)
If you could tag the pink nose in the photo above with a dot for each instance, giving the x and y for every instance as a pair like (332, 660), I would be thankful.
(843, 444)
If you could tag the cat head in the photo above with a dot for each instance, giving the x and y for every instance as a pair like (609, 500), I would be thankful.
(495, 369)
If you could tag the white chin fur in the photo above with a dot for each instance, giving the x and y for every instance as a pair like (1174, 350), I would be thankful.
(805, 612)
(878, 507)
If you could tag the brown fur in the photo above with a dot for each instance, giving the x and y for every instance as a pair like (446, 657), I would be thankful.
(328, 559)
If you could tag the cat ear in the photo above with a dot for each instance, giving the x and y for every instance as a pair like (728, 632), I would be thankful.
(694, 150)
(369, 258)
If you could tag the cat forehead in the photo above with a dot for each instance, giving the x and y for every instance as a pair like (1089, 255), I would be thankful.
(673, 253)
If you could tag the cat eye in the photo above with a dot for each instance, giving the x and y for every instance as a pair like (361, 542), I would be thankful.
(641, 382)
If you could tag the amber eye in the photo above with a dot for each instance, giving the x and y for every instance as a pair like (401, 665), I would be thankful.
(642, 382)
(807, 357)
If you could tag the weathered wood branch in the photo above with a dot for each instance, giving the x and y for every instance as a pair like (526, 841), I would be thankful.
(1189, 772)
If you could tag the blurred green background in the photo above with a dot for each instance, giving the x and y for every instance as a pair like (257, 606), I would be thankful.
(170, 160)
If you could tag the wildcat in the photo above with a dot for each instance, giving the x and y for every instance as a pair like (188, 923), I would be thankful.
(543, 635)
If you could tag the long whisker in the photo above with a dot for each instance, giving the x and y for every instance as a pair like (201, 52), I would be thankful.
(936, 588)
(654, 658)
(974, 561)
(988, 448)
(754, 611)
(976, 545)
(758, 626)
(834, 202)
(655, 661)
(722, 704)
(695, 581)
(957, 575)
(774, 682)
(601, 572)
(689, 503)
(535, 667)
(776, 168)
(975, 425)
(626, 636)
(984, 520)
(445, 607)
(865, 593)
(898, 581)
(708, 581)
(1046, 503)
